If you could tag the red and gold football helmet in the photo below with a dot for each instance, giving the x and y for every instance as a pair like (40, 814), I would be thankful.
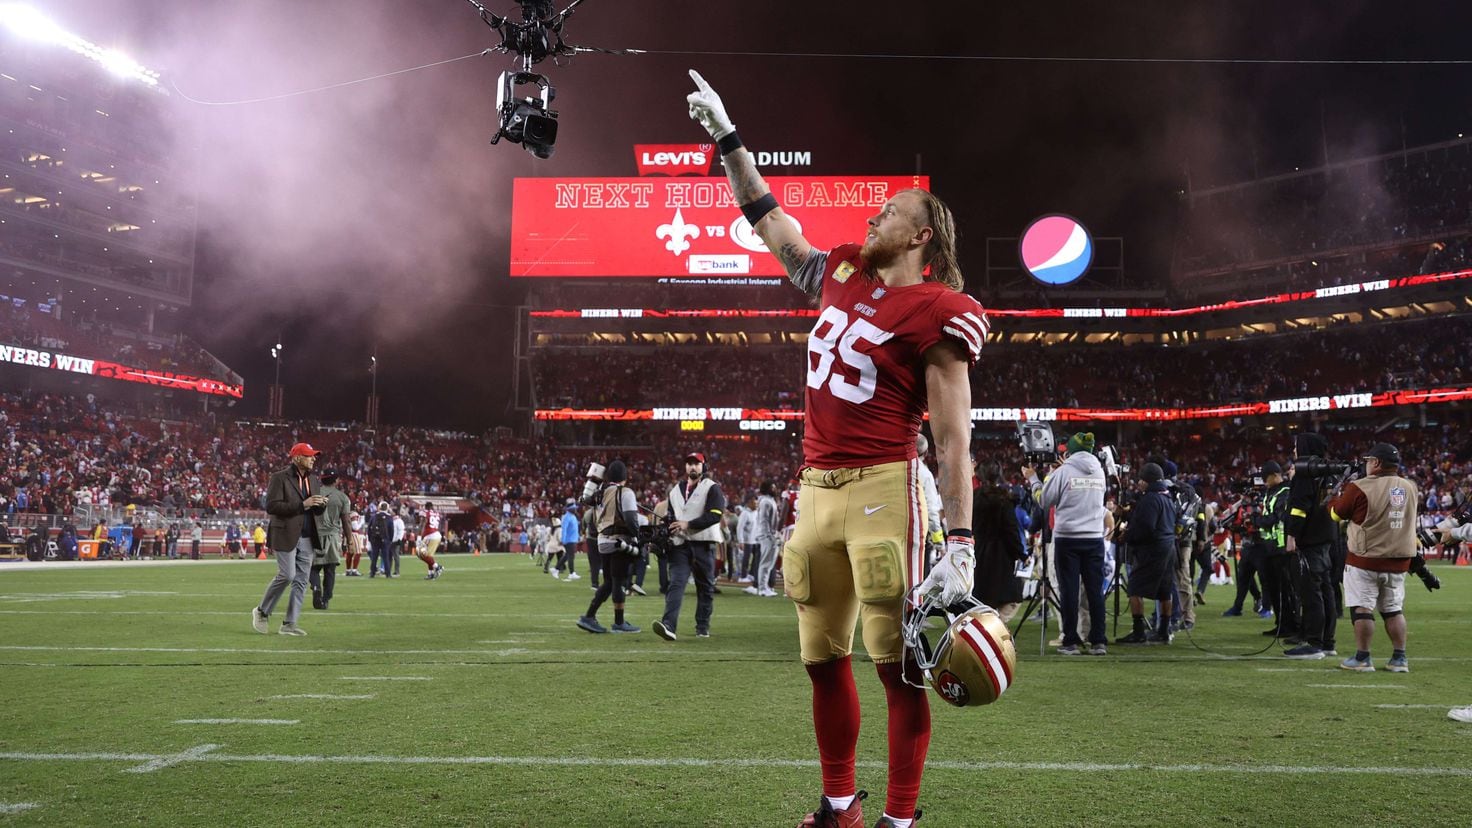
(973, 663)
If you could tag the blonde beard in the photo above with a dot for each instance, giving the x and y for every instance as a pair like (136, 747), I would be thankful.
(875, 257)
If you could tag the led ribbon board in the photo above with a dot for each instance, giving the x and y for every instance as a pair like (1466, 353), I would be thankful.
(56, 361)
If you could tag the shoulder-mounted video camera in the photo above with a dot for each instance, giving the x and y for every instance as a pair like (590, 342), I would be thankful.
(1037, 442)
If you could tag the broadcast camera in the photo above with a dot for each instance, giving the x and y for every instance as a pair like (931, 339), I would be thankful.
(529, 121)
(594, 479)
(1318, 468)
(1116, 477)
(1037, 442)
(656, 536)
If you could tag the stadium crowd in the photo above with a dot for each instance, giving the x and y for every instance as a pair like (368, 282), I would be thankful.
(61, 453)
(1422, 354)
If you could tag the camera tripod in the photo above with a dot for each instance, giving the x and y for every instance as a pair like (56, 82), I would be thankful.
(1041, 599)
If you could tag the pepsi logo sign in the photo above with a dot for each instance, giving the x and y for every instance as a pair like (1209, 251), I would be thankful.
(1056, 249)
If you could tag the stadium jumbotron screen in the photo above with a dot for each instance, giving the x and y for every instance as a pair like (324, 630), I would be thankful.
(677, 227)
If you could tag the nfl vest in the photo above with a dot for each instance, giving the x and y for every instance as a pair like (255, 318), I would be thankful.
(688, 510)
(610, 522)
(1389, 528)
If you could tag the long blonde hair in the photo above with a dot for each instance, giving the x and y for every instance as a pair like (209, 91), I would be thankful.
(940, 252)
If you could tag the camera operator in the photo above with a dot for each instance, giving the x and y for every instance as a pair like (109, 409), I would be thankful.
(1381, 510)
(617, 519)
(1313, 533)
(1150, 535)
(1075, 491)
(998, 542)
(1238, 518)
(1278, 566)
(1191, 522)
(697, 504)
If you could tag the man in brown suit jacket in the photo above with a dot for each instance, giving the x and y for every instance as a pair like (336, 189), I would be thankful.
(294, 500)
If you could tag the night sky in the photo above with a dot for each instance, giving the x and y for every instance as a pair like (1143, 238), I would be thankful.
(378, 213)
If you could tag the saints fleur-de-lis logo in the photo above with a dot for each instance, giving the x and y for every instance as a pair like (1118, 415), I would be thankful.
(678, 232)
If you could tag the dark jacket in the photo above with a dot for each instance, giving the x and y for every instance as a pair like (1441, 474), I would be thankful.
(998, 547)
(284, 502)
(1152, 522)
(1308, 521)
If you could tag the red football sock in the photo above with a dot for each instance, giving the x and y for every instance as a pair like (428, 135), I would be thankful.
(428, 560)
(836, 723)
(909, 739)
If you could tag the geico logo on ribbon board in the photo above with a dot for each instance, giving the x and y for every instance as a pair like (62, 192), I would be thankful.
(677, 226)
(674, 159)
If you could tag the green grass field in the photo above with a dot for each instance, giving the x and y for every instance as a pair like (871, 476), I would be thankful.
(487, 707)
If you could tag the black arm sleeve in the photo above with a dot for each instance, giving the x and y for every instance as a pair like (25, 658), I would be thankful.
(715, 506)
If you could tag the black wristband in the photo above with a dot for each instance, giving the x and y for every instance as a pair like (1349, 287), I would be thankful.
(757, 210)
(961, 533)
(729, 143)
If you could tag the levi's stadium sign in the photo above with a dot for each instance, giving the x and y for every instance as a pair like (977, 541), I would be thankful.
(678, 226)
(56, 361)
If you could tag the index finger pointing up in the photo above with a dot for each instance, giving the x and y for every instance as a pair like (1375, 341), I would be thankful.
(699, 81)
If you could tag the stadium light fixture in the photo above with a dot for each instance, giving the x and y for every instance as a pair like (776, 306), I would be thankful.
(30, 24)
(27, 22)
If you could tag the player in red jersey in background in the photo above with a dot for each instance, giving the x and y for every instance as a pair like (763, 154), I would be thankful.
(891, 342)
(430, 542)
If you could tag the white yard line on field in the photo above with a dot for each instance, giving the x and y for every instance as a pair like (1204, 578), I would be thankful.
(1416, 706)
(386, 678)
(695, 650)
(201, 754)
(190, 755)
(327, 696)
(1357, 686)
(17, 807)
(239, 721)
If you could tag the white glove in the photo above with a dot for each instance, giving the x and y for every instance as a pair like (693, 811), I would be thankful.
(952, 578)
(706, 107)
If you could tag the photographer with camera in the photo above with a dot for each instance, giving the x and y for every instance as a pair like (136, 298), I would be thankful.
(1381, 510)
(1075, 493)
(1150, 535)
(1313, 534)
(617, 518)
(1278, 566)
(1238, 520)
(697, 504)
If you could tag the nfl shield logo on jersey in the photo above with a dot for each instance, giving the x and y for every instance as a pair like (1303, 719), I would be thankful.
(878, 293)
(844, 271)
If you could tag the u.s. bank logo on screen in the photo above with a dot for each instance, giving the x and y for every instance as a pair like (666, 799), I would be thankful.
(1056, 249)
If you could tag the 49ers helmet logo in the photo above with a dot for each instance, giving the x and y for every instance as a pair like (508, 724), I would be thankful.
(952, 689)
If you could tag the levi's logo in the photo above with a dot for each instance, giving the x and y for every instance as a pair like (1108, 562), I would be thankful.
(674, 159)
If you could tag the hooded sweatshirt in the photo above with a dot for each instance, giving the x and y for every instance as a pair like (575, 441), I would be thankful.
(1076, 489)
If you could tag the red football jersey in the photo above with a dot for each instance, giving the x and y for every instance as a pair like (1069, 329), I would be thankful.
(866, 392)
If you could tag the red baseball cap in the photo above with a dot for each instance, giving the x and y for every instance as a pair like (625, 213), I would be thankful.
(695, 455)
(303, 449)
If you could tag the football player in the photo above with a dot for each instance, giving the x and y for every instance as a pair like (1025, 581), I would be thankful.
(430, 541)
(895, 337)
